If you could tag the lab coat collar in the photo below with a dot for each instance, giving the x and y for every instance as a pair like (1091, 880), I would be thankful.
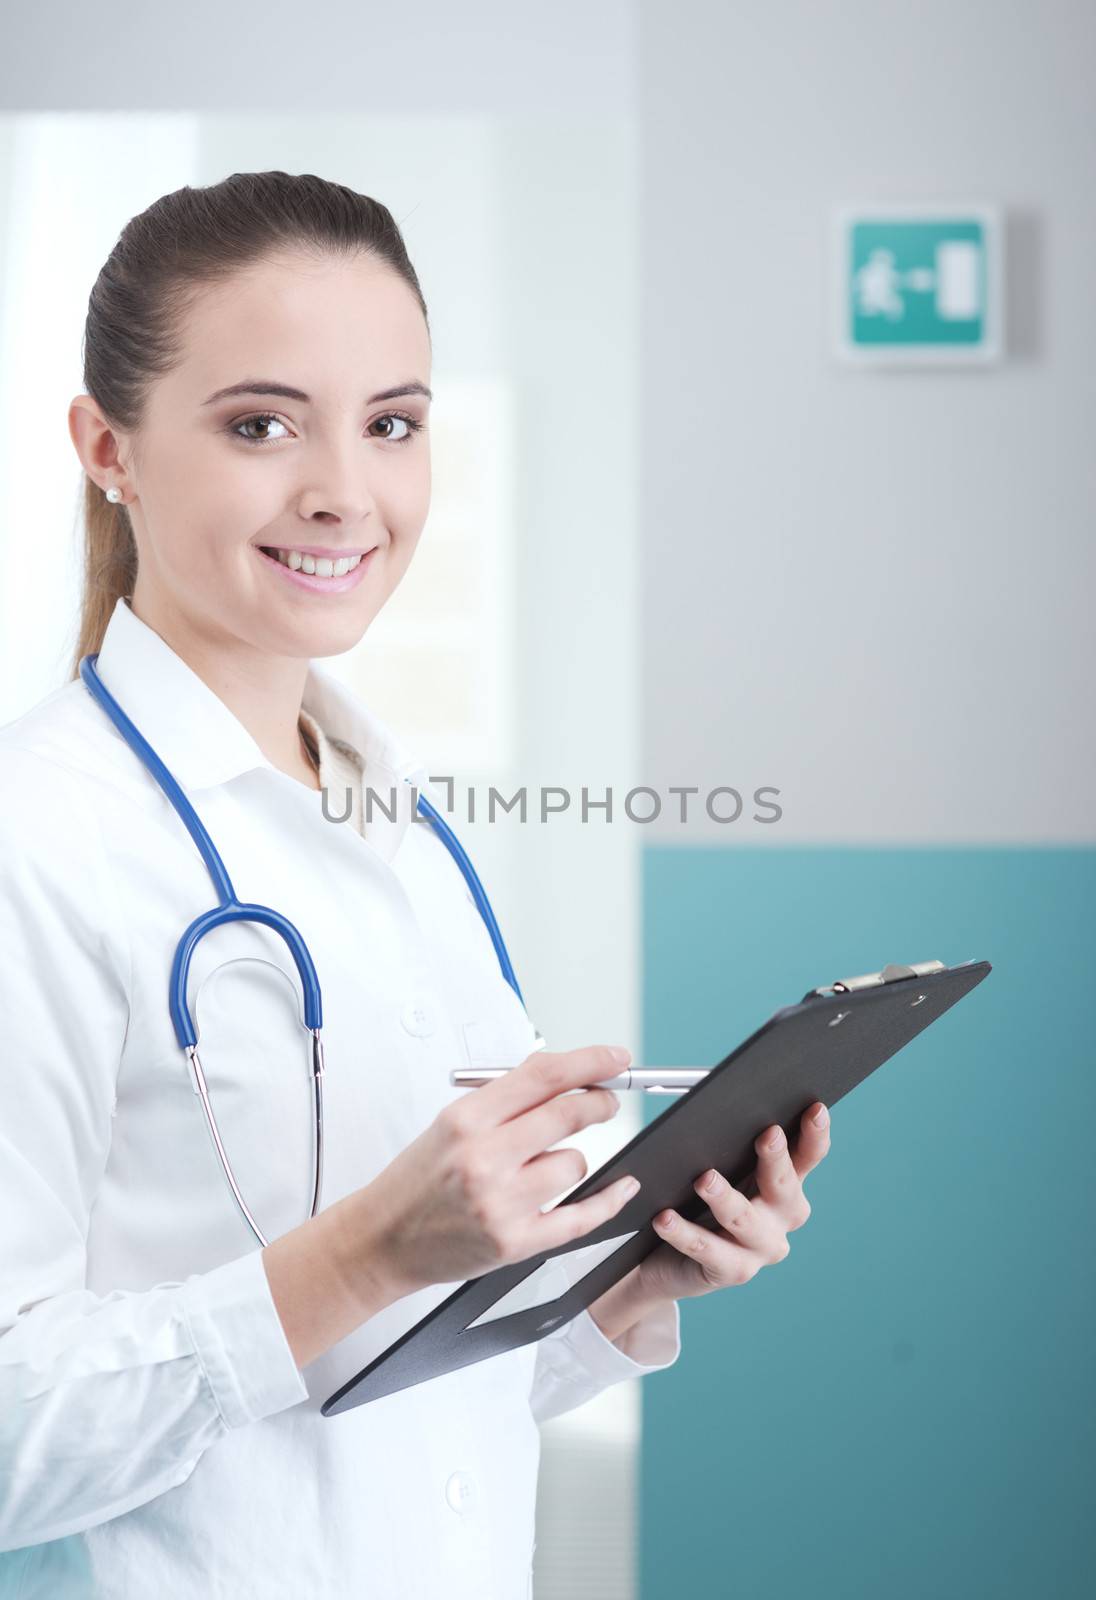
(203, 743)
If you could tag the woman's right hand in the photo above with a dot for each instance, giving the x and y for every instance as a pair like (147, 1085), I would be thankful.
(465, 1196)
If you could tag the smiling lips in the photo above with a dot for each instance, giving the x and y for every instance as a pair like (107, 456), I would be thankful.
(331, 573)
(315, 560)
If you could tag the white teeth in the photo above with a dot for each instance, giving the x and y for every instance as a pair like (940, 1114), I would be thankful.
(318, 566)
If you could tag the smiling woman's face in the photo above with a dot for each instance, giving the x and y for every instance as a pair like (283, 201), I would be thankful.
(210, 482)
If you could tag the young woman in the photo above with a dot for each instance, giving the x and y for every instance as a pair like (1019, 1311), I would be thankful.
(254, 434)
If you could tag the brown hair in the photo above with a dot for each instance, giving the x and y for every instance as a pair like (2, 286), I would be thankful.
(156, 270)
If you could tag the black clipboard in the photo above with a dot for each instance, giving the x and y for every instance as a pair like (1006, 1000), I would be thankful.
(819, 1049)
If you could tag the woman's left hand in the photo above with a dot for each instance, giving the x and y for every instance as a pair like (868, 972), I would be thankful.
(751, 1234)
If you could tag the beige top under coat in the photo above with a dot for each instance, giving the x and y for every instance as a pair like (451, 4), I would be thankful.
(341, 772)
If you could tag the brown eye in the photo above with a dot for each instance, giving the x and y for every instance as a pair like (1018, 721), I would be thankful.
(412, 424)
(262, 417)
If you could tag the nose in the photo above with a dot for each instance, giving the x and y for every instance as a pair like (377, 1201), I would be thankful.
(327, 505)
(339, 492)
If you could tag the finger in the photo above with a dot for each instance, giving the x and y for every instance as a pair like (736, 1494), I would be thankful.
(541, 1077)
(550, 1175)
(572, 1218)
(813, 1143)
(731, 1209)
(529, 1133)
(721, 1260)
(778, 1181)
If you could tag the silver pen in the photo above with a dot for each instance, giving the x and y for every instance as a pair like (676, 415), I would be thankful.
(646, 1080)
(679, 1080)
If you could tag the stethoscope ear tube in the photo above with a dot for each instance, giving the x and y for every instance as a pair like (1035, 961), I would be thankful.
(476, 889)
(236, 912)
(188, 1038)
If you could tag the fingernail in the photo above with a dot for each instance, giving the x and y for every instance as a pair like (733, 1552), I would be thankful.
(665, 1219)
(629, 1187)
(620, 1053)
(821, 1119)
(775, 1140)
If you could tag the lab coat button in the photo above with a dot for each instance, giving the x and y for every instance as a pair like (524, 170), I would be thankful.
(460, 1491)
(417, 1019)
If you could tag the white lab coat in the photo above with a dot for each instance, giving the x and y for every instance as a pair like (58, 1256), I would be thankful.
(156, 1435)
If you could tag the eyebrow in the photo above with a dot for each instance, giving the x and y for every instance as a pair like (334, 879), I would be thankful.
(263, 386)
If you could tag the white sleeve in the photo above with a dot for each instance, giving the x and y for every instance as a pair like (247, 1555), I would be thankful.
(106, 1401)
(577, 1361)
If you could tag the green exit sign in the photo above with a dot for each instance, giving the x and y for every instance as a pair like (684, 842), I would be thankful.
(917, 285)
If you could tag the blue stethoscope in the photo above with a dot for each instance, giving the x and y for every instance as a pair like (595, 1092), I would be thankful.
(231, 909)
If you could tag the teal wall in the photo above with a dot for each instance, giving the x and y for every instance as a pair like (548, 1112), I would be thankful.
(904, 1406)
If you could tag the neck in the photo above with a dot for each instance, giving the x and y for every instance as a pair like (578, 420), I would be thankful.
(263, 692)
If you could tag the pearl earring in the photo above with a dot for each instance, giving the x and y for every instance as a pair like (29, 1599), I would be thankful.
(114, 495)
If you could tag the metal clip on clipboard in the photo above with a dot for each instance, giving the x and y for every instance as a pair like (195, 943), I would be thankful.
(870, 980)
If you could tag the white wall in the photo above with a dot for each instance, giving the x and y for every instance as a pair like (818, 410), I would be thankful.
(871, 590)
